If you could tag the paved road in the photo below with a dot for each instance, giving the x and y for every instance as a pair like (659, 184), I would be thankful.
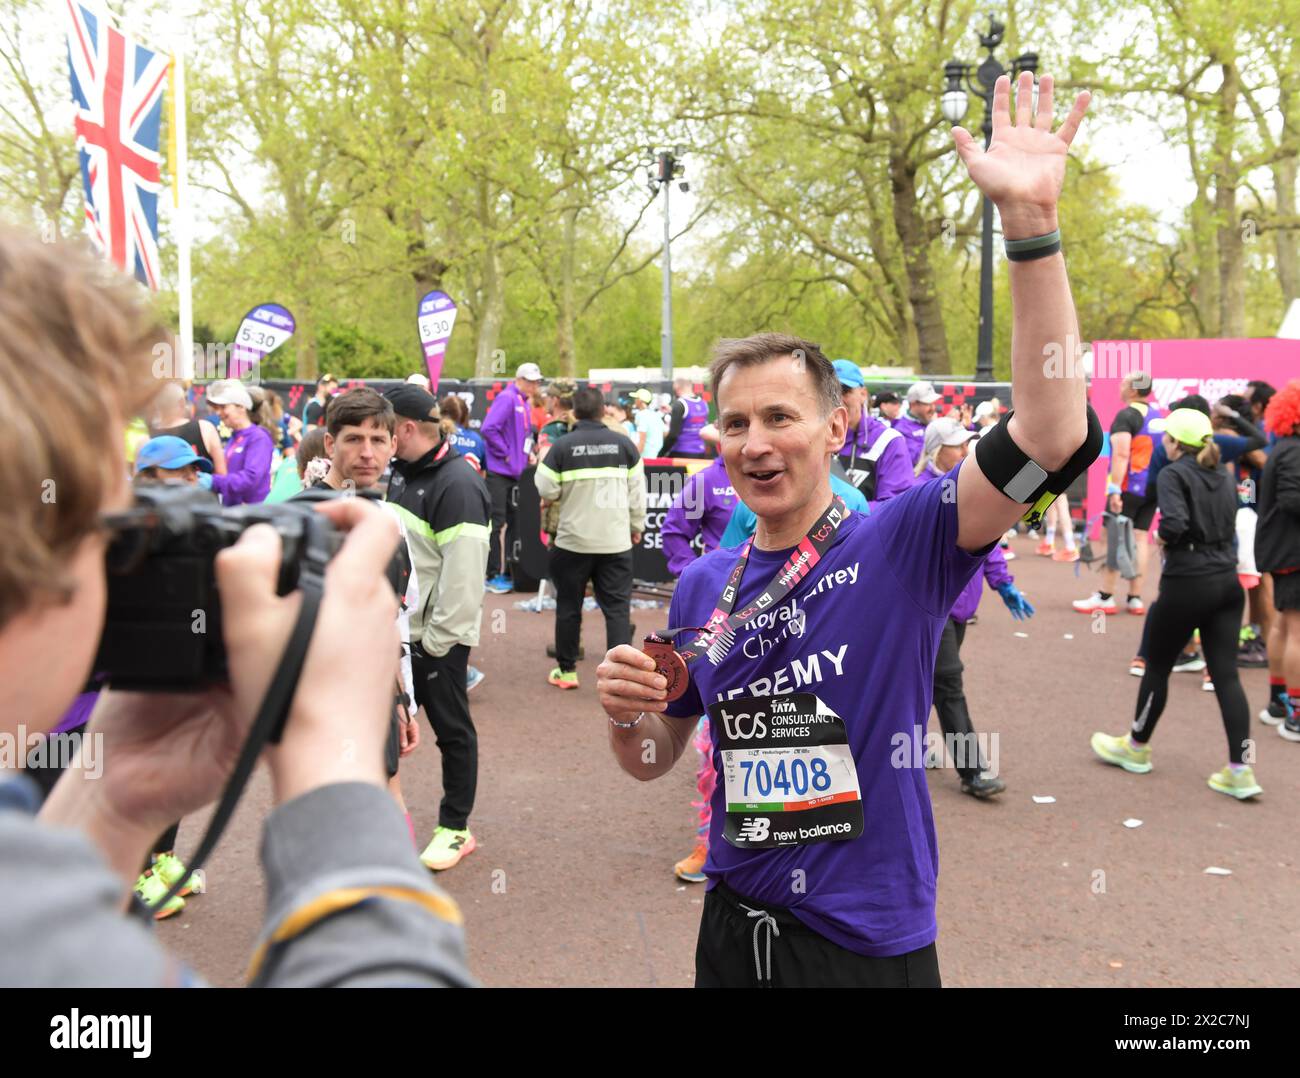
(572, 882)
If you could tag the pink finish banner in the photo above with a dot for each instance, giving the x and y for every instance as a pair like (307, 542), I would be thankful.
(1212, 368)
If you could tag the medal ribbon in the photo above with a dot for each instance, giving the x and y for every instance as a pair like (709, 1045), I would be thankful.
(717, 636)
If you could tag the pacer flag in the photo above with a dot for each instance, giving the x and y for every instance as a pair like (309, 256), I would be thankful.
(117, 86)
(263, 330)
(436, 316)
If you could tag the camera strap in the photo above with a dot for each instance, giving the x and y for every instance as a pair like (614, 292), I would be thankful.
(268, 726)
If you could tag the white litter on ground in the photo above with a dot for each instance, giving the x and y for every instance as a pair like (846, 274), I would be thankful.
(1214, 870)
(1069, 636)
(1044, 800)
(1132, 823)
(1023, 636)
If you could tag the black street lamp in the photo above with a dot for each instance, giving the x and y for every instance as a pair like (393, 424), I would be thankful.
(954, 104)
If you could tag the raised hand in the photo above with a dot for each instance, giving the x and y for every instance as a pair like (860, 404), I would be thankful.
(1024, 167)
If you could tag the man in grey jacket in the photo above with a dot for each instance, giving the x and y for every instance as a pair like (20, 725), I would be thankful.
(596, 476)
(347, 901)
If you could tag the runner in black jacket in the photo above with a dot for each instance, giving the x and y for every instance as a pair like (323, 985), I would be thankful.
(1198, 589)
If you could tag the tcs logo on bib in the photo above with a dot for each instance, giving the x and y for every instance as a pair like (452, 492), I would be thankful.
(743, 726)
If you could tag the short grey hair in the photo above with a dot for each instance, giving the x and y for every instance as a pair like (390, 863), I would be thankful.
(765, 347)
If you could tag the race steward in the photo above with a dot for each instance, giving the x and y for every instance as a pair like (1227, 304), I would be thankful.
(818, 808)
(597, 476)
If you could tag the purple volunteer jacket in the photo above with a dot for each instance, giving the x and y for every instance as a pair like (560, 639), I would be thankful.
(913, 433)
(995, 572)
(702, 507)
(248, 460)
(506, 430)
(895, 468)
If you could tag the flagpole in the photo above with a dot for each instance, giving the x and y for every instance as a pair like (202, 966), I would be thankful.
(185, 334)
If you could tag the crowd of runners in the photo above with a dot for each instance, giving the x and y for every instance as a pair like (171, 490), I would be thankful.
(830, 549)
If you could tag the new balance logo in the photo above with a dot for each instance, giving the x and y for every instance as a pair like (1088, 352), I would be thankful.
(754, 829)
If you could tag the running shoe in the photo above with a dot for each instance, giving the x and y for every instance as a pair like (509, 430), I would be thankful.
(171, 868)
(1138, 666)
(1274, 714)
(1066, 555)
(150, 889)
(1239, 784)
(1009, 555)
(446, 848)
(1253, 654)
(500, 584)
(982, 786)
(1118, 751)
(1189, 662)
(563, 679)
(473, 678)
(1043, 549)
(1290, 728)
(691, 869)
(1095, 602)
(1207, 684)
(1134, 605)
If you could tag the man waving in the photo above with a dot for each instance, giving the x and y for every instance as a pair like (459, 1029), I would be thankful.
(812, 648)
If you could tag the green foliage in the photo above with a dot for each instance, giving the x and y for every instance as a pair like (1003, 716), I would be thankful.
(349, 155)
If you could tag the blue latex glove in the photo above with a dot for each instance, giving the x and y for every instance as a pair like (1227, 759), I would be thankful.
(205, 480)
(1016, 602)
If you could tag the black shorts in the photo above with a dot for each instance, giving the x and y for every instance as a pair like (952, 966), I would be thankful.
(1139, 508)
(800, 957)
(1286, 590)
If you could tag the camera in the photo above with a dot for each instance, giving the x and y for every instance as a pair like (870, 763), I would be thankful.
(163, 628)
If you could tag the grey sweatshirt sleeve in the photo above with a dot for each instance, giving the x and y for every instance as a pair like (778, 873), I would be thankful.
(63, 923)
(348, 902)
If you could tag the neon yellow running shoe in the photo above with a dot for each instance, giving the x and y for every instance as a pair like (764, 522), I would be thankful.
(563, 679)
(1239, 784)
(150, 890)
(446, 848)
(1118, 751)
(171, 868)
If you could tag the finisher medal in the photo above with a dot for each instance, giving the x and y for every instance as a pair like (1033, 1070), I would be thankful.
(668, 663)
(719, 634)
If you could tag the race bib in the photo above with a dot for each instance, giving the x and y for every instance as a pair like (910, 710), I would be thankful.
(787, 770)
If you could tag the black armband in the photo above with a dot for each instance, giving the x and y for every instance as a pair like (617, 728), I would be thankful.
(1009, 468)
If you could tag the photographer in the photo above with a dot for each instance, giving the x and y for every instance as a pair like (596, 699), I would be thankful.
(347, 902)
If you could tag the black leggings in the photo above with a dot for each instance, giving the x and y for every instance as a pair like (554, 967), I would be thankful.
(1213, 604)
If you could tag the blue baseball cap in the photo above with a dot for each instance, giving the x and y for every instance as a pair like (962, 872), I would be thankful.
(168, 451)
(849, 374)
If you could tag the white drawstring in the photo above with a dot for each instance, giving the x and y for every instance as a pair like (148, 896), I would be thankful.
(761, 919)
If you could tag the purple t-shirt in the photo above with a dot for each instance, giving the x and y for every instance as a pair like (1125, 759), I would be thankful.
(703, 507)
(995, 568)
(861, 632)
(914, 432)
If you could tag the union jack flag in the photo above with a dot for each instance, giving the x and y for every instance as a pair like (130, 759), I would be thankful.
(117, 86)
